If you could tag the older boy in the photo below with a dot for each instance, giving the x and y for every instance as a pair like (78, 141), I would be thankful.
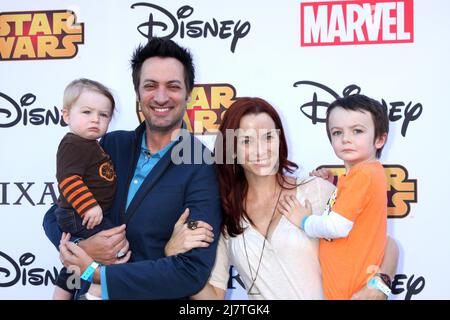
(353, 227)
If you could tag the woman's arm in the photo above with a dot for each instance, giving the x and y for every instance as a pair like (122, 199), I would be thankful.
(184, 239)
(388, 266)
(209, 292)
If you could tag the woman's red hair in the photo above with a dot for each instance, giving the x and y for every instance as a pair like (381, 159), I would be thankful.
(232, 181)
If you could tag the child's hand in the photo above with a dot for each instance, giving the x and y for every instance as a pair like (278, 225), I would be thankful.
(323, 173)
(93, 217)
(293, 210)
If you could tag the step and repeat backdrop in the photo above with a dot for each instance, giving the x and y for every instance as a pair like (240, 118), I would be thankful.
(298, 55)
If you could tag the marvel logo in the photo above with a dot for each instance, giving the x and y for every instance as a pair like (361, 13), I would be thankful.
(356, 22)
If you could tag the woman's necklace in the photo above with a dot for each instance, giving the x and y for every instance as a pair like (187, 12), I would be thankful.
(253, 290)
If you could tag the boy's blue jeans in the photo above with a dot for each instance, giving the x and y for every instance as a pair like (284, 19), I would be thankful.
(69, 221)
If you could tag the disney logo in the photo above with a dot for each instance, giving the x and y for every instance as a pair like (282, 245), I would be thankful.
(412, 287)
(11, 112)
(315, 110)
(13, 271)
(173, 25)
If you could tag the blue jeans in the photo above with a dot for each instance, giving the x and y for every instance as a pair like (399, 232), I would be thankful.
(69, 221)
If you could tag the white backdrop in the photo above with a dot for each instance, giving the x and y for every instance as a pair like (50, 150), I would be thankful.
(258, 50)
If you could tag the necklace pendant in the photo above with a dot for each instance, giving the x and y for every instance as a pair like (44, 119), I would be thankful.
(253, 291)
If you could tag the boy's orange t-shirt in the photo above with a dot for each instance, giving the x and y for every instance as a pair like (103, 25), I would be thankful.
(348, 263)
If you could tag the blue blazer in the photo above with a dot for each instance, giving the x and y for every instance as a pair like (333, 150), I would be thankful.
(151, 216)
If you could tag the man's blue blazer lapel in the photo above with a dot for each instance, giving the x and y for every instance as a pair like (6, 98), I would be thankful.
(149, 182)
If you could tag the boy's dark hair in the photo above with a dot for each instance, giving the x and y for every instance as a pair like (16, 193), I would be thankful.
(164, 48)
(360, 102)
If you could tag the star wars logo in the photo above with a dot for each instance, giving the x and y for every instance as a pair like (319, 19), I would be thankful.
(402, 191)
(32, 35)
(205, 110)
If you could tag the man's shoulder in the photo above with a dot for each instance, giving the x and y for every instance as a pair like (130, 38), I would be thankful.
(120, 133)
(118, 136)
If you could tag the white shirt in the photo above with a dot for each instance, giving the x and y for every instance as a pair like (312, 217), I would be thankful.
(290, 267)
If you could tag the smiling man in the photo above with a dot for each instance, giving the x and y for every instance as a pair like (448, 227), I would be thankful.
(152, 191)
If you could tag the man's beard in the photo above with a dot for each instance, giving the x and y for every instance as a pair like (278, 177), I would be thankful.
(176, 123)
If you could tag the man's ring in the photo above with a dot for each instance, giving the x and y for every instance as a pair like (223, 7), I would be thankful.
(119, 254)
(192, 224)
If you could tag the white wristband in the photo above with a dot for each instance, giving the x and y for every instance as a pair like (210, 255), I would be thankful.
(379, 285)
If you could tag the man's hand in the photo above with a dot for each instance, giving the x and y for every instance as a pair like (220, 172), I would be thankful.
(293, 210)
(93, 217)
(73, 257)
(104, 246)
(367, 293)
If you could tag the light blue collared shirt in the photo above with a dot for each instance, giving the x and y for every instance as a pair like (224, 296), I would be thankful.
(147, 161)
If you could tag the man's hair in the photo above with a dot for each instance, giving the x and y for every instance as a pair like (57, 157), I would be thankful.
(163, 48)
(359, 102)
(78, 86)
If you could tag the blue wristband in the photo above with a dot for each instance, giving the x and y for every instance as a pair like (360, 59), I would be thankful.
(379, 285)
(88, 274)
(302, 223)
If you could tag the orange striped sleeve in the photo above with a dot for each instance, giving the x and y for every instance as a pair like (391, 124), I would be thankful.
(77, 202)
(86, 206)
(77, 194)
(68, 188)
(68, 181)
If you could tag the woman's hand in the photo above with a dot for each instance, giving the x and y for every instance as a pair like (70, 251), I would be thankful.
(293, 210)
(184, 239)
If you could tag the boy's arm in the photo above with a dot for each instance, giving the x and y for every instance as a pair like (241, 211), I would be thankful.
(328, 226)
(72, 159)
(77, 194)
(344, 211)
